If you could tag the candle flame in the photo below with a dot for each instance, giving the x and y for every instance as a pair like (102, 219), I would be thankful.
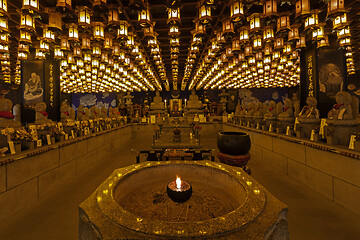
(178, 182)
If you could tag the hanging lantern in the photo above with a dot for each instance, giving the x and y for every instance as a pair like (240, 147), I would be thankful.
(4, 38)
(58, 53)
(4, 48)
(268, 33)
(257, 42)
(55, 20)
(39, 55)
(199, 29)
(96, 50)
(64, 43)
(293, 33)
(324, 42)
(87, 57)
(244, 34)
(98, 30)
(73, 33)
(64, 4)
(236, 10)
(279, 43)
(108, 43)
(302, 7)
(44, 46)
(26, 22)
(345, 42)
(3, 6)
(270, 8)
(130, 41)
(283, 23)
(174, 31)
(149, 31)
(173, 16)
(227, 28)
(113, 15)
(32, 5)
(144, 17)
(48, 35)
(301, 43)
(255, 22)
(235, 44)
(85, 43)
(204, 14)
(340, 21)
(344, 32)
(267, 49)
(312, 21)
(77, 51)
(335, 6)
(22, 55)
(248, 50)
(25, 37)
(84, 15)
(123, 29)
(174, 42)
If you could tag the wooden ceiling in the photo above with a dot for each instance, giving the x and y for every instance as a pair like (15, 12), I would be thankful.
(189, 11)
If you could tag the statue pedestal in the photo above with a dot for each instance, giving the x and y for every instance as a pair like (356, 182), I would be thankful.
(258, 120)
(249, 120)
(284, 122)
(307, 125)
(342, 130)
(270, 120)
(157, 112)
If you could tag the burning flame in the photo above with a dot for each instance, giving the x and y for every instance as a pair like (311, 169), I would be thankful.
(178, 182)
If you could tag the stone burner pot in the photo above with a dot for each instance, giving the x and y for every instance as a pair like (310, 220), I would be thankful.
(258, 214)
(234, 143)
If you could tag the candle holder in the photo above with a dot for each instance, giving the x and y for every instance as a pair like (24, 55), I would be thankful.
(179, 191)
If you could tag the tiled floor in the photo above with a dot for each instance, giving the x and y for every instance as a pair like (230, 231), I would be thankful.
(310, 216)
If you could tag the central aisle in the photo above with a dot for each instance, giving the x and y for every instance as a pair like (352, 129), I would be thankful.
(310, 215)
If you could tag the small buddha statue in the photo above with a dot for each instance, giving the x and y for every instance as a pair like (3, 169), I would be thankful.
(64, 111)
(310, 110)
(17, 112)
(81, 113)
(41, 115)
(157, 103)
(94, 112)
(271, 111)
(87, 113)
(72, 113)
(342, 110)
(259, 112)
(194, 102)
(288, 111)
(6, 117)
(250, 109)
(103, 113)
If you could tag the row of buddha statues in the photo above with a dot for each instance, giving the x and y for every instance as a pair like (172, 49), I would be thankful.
(342, 119)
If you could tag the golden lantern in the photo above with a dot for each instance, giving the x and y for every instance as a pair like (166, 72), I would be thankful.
(318, 33)
(255, 22)
(84, 15)
(267, 49)
(276, 55)
(244, 34)
(336, 6)
(174, 42)
(340, 21)
(301, 43)
(87, 57)
(220, 38)
(283, 23)
(23, 48)
(227, 27)
(26, 22)
(302, 7)
(123, 29)
(173, 15)
(268, 34)
(39, 55)
(204, 14)
(99, 2)
(4, 48)
(236, 10)
(64, 4)
(344, 32)
(144, 18)
(55, 20)
(130, 41)
(228, 51)
(270, 8)
(32, 5)
(113, 15)
(77, 51)
(288, 48)
(279, 43)
(293, 33)
(44, 46)
(108, 43)
(345, 42)
(3, 6)
(58, 53)
(199, 29)
(64, 43)
(73, 32)
(258, 55)
(85, 43)
(248, 50)
(174, 31)
(96, 50)
(257, 42)
(48, 35)
(149, 31)
(324, 42)
(25, 36)
(312, 20)
(235, 44)
(98, 30)
(95, 63)
(70, 58)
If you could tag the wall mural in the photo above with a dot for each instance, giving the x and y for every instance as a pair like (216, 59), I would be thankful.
(263, 94)
(33, 88)
(93, 99)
